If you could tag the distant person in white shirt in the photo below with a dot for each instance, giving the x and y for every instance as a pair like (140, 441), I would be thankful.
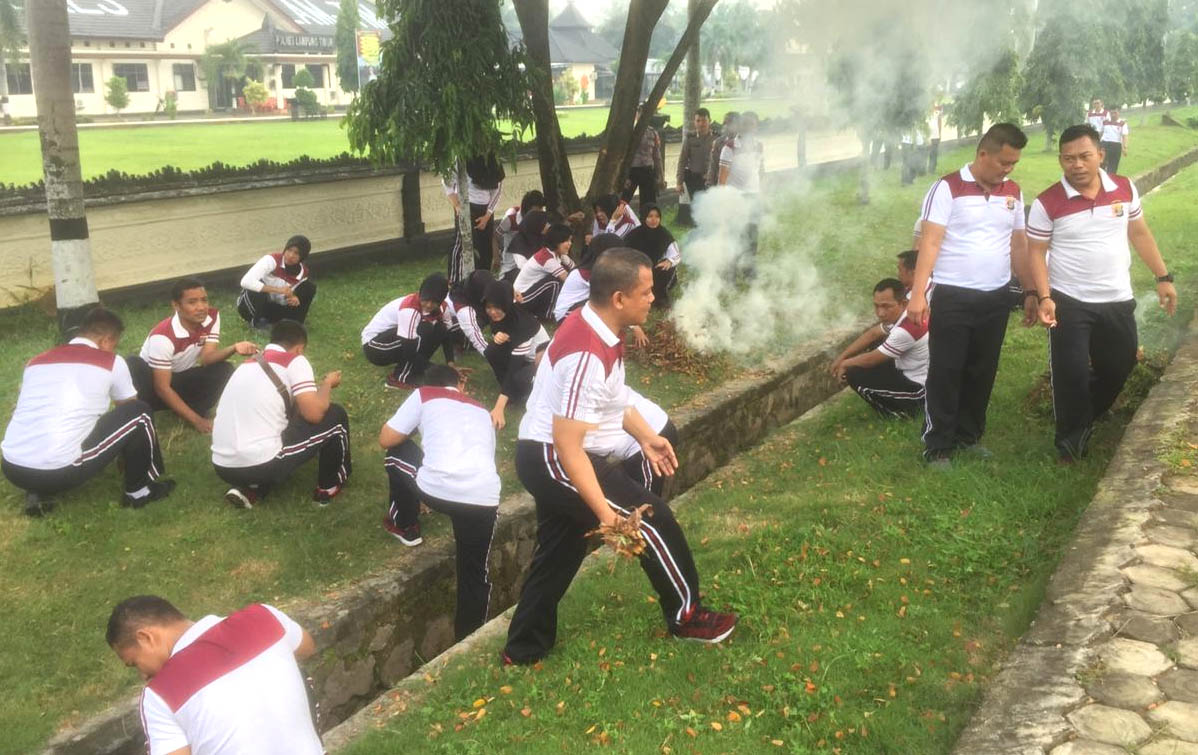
(62, 432)
(1114, 140)
(741, 165)
(217, 686)
(453, 472)
(1096, 115)
(278, 287)
(273, 417)
(888, 364)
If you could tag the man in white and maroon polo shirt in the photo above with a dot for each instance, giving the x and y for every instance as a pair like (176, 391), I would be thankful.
(1096, 115)
(453, 471)
(407, 331)
(278, 286)
(972, 237)
(1113, 140)
(889, 377)
(1078, 233)
(578, 415)
(62, 432)
(273, 417)
(182, 366)
(217, 686)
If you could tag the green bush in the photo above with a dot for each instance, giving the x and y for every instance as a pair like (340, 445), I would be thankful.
(170, 104)
(307, 102)
(302, 79)
(255, 94)
(117, 95)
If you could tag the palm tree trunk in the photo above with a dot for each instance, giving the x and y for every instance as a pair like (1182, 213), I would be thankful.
(50, 56)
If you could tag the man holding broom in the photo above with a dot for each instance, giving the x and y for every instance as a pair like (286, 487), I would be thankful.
(577, 414)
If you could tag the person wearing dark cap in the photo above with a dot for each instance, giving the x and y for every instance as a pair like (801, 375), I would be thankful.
(612, 215)
(541, 278)
(516, 345)
(658, 244)
(406, 332)
(278, 286)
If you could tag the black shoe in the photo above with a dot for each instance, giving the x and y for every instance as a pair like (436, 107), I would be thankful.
(260, 323)
(158, 489)
(36, 505)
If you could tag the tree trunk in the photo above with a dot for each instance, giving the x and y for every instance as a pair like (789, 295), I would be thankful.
(692, 94)
(50, 57)
(690, 36)
(557, 180)
(465, 261)
(611, 164)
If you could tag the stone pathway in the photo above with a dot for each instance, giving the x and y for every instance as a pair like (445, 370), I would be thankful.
(1110, 664)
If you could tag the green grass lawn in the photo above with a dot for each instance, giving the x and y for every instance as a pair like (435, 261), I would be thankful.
(62, 574)
(143, 149)
(876, 598)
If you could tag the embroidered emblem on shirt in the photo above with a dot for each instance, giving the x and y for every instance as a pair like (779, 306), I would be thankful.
(1010, 203)
(1117, 209)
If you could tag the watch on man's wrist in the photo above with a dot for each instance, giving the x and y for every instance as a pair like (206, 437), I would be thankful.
(1166, 278)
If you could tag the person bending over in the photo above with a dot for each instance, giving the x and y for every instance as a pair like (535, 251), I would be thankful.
(217, 686)
(273, 417)
(517, 343)
(278, 286)
(467, 313)
(890, 377)
(407, 331)
(62, 432)
(453, 472)
(540, 280)
(182, 366)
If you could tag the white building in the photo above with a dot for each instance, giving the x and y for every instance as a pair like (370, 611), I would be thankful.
(156, 46)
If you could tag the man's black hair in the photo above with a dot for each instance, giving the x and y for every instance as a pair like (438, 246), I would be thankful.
(184, 285)
(288, 333)
(556, 235)
(894, 286)
(301, 244)
(608, 203)
(1002, 135)
(101, 322)
(1073, 133)
(530, 200)
(434, 288)
(442, 375)
(704, 112)
(134, 613)
(908, 258)
(617, 269)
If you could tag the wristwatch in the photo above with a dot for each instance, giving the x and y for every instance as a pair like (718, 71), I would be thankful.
(1166, 278)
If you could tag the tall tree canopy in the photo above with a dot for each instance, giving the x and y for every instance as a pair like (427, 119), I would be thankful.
(347, 45)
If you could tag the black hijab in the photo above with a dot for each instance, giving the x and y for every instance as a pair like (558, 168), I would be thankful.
(470, 292)
(517, 323)
(599, 244)
(485, 171)
(652, 241)
(529, 239)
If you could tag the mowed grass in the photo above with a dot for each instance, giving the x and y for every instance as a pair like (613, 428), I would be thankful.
(63, 574)
(876, 598)
(142, 149)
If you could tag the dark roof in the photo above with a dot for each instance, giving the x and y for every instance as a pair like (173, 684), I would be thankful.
(570, 18)
(572, 41)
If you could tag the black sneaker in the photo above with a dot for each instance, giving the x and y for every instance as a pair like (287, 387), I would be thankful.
(37, 505)
(241, 499)
(261, 323)
(706, 626)
(158, 489)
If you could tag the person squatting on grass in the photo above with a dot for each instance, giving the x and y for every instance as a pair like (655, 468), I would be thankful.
(182, 366)
(278, 287)
(507, 228)
(407, 331)
(888, 363)
(540, 279)
(273, 417)
(658, 244)
(217, 686)
(62, 432)
(453, 472)
(612, 215)
(467, 312)
(516, 346)
(578, 413)
(1078, 233)
(972, 237)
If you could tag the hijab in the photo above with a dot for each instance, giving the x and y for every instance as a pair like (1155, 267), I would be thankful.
(517, 323)
(485, 171)
(599, 244)
(652, 241)
(470, 292)
(529, 240)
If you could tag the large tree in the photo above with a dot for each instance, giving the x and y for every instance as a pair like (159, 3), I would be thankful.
(448, 76)
(992, 92)
(1142, 58)
(1181, 65)
(347, 45)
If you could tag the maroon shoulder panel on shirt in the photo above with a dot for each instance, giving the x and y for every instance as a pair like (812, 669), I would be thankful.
(1058, 204)
(75, 353)
(917, 331)
(959, 187)
(575, 335)
(227, 646)
(429, 392)
(281, 358)
(542, 256)
(281, 270)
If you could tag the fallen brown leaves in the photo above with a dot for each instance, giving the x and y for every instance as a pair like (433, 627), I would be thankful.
(667, 350)
(624, 536)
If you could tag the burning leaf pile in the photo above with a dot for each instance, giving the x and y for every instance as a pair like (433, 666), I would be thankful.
(667, 350)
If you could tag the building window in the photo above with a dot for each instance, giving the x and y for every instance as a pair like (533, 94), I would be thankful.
(317, 75)
(288, 75)
(81, 78)
(20, 81)
(185, 77)
(136, 77)
(317, 72)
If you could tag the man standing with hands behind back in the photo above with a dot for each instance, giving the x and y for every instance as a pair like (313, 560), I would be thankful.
(1084, 287)
(972, 236)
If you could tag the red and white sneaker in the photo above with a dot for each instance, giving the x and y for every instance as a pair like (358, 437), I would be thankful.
(241, 499)
(409, 536)
(706, 626)
(323, 495)
(396, 384)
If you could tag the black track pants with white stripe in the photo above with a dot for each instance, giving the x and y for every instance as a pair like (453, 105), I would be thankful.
(1092, 350)
(200, 387)
(409, 355)
(563, 519)
(966, 329)
(481, 238)
(473, 530)
(252, 305)
(640, 470)
(540, 297)
(126, 431)
(887, 389)
(302, 440)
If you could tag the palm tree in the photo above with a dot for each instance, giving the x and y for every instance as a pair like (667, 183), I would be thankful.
(222, 66)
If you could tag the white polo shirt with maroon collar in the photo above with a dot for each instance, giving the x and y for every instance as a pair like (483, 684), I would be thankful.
(976, 251)
(1089, 258)
(581, 377)
(270, 271)
(172, 346)
(232, 687)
